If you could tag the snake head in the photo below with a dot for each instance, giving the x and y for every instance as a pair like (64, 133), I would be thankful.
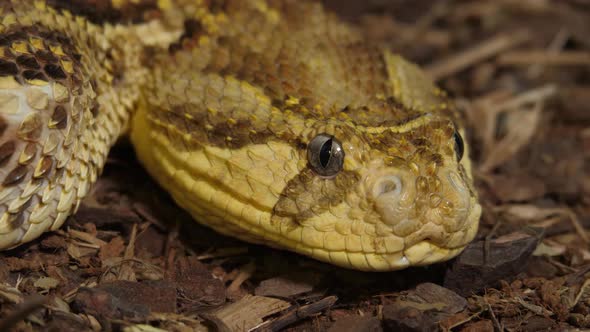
(421, 191)
(385, 197)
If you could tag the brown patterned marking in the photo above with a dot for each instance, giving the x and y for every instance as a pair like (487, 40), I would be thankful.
(8, 38)
(15, 176)
(421, 142)
(54, 71)
(44, 167)
(28, 62)
(15, 220)
(224, 133)
(34, 75)
(8, 68)
(28, 153)
(192, 30)
(6, 151)
(46, 56)
(103, 11)
(282, 68)
(59, 118)
(39, 64)
(308, 195)
(381, 114)
(3, 126)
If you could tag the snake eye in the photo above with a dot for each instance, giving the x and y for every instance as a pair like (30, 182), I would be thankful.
(459, 145)
(325, 155)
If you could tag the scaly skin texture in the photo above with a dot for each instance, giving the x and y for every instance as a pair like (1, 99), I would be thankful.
(221, 99)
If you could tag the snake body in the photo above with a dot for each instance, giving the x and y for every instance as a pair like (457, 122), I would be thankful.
(270, 121)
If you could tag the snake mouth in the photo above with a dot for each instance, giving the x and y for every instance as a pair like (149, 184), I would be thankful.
(428, 251)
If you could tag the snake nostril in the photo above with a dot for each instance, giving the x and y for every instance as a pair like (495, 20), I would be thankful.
(389, 184)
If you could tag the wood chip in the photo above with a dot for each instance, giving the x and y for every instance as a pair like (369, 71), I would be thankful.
(422, 309)
(288, 285)
(247, 313)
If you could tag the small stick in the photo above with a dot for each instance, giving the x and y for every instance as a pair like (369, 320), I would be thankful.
(532, 96)
(245, 272)
(449, 66)
(543, 57)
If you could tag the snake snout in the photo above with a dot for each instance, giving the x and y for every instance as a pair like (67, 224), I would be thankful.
(433, 207)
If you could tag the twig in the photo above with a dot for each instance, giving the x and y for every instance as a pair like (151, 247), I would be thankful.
(581, 293)
(537, 310)
(543, 57)
(494, 318)
(298, 314)
(577, 225)
(126, 271)
(463, 321)
(245, 272)
(529, 97)
(467, 58)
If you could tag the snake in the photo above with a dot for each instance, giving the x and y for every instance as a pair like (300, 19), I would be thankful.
(272, 121)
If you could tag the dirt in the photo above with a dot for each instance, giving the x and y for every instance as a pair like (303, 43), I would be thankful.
(520, 74)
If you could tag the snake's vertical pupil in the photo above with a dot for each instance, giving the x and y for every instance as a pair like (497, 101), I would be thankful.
(325, 153)
(459, 145)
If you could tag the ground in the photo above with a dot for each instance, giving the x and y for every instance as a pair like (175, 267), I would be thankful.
(520, 73)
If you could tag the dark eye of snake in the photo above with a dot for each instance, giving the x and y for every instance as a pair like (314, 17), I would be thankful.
(325, 155)
(459, 145)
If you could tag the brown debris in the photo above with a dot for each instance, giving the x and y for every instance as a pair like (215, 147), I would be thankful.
(113, 248)
(196, 285)
(516, 188)
(28, 307)
(357, 323)
(422, 309)
(246, 314)
(127, 299)
(480, 326)
(101, 303)
(482, 264)
(288, 285)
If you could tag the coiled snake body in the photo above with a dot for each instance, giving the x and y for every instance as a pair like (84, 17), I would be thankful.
(271, 121)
